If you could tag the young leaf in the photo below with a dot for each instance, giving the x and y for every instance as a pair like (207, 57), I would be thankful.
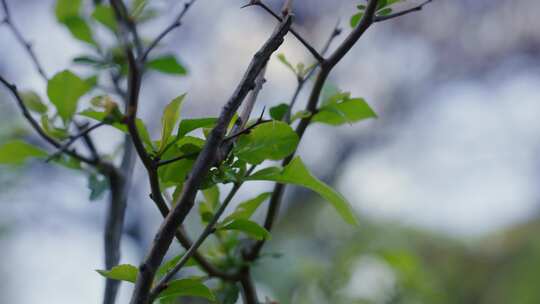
(246, 209)
(279, 111)
(124, 272)
(248, 227)
(145, 136)
(16, 152)
(188, 125)
(51, 130)
(64, 91)
(167, 64)
(33, 102)
(187, 287)
(104, 14)
(171, 113)
(355, 19)
(286, 62)
(272, 140)
(296, 173)
(348, 111)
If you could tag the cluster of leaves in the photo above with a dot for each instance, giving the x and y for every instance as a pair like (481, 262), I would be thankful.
(384, 7)
(182, 139)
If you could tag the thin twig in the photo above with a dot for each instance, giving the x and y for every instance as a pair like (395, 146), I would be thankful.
(202, 165)
(176, 23)
(247, 129)
(175, 159)
(28, 46)
(402, 13)
(73, 139)
(35, 125)
(306, 44)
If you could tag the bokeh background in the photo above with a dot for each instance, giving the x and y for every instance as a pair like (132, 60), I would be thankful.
(445, 180)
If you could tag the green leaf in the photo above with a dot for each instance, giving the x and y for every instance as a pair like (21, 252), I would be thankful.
(104, 14)
(171, 113)
(16, 152)
(385, 11)
(169, 265)
(64, 91)
(385, 3)
(296, 173)
(105, 117)
(89, 60)
(80, 29)
(348, 111)
(187, 287)
(208, 207)
(272, 140)
(355, 19)
(51, 130)
(145, 136)
(279, 111)
(67, 8)
(167, 64)
(246, 209)
(248, 227)
(123, 272)
(190, 144)
(188, 125)
(68, 13)
(33, 102)
(98, 185)
(175, 173)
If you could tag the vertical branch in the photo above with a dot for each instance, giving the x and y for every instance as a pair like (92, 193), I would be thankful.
(204, 162)
(326, 68)
(249, 292)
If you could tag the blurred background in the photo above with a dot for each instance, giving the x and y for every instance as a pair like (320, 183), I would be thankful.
(444, 181)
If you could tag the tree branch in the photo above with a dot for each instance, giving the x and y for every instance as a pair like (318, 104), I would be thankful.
(35, 125)
(249, 292)
(162, 284)
(28, 46)
(83, 134)
(180, 235)
(275, 201)
(302, 81)
(202, 165)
